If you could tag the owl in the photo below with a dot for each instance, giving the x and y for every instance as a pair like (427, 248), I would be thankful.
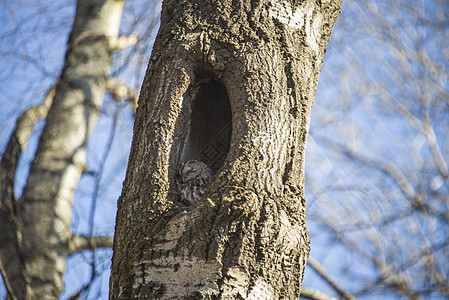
(192, 179)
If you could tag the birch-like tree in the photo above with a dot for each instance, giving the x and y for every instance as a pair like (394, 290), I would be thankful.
(35, 239)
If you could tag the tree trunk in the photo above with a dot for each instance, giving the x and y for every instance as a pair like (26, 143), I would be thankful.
(42, 218)
(230, 83)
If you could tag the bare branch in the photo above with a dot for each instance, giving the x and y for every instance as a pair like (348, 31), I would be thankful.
(120, 91)
(17, 143)
(320, 270)
(80, 242)
(308, 293)
(7, 284)
(122, 42)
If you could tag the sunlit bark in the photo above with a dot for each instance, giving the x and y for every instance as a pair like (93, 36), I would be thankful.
(247, 238)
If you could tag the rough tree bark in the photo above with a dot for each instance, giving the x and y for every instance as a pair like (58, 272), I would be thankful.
(36, 236)
(230, 83)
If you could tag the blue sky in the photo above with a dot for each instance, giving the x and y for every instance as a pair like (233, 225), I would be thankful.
(361, 87)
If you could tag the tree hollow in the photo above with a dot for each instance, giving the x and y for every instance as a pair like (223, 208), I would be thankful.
(210, 126)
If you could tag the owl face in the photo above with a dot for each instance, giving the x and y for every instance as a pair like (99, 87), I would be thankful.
(190, 170)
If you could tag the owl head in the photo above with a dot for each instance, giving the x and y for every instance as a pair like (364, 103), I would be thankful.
(191, 170)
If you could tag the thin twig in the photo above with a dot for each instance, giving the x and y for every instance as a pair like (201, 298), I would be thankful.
(312, 294)
(322, 273)
(7, 284)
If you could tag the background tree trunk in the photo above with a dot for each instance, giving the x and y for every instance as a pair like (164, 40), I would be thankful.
(254, 64)
(36, 244)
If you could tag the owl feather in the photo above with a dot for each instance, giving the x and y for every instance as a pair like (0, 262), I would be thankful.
(192, 179)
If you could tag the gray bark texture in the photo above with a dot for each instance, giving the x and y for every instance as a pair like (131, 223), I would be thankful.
(36, 232)
(230, 83)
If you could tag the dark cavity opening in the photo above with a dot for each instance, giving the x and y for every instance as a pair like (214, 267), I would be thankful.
(209, 135)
